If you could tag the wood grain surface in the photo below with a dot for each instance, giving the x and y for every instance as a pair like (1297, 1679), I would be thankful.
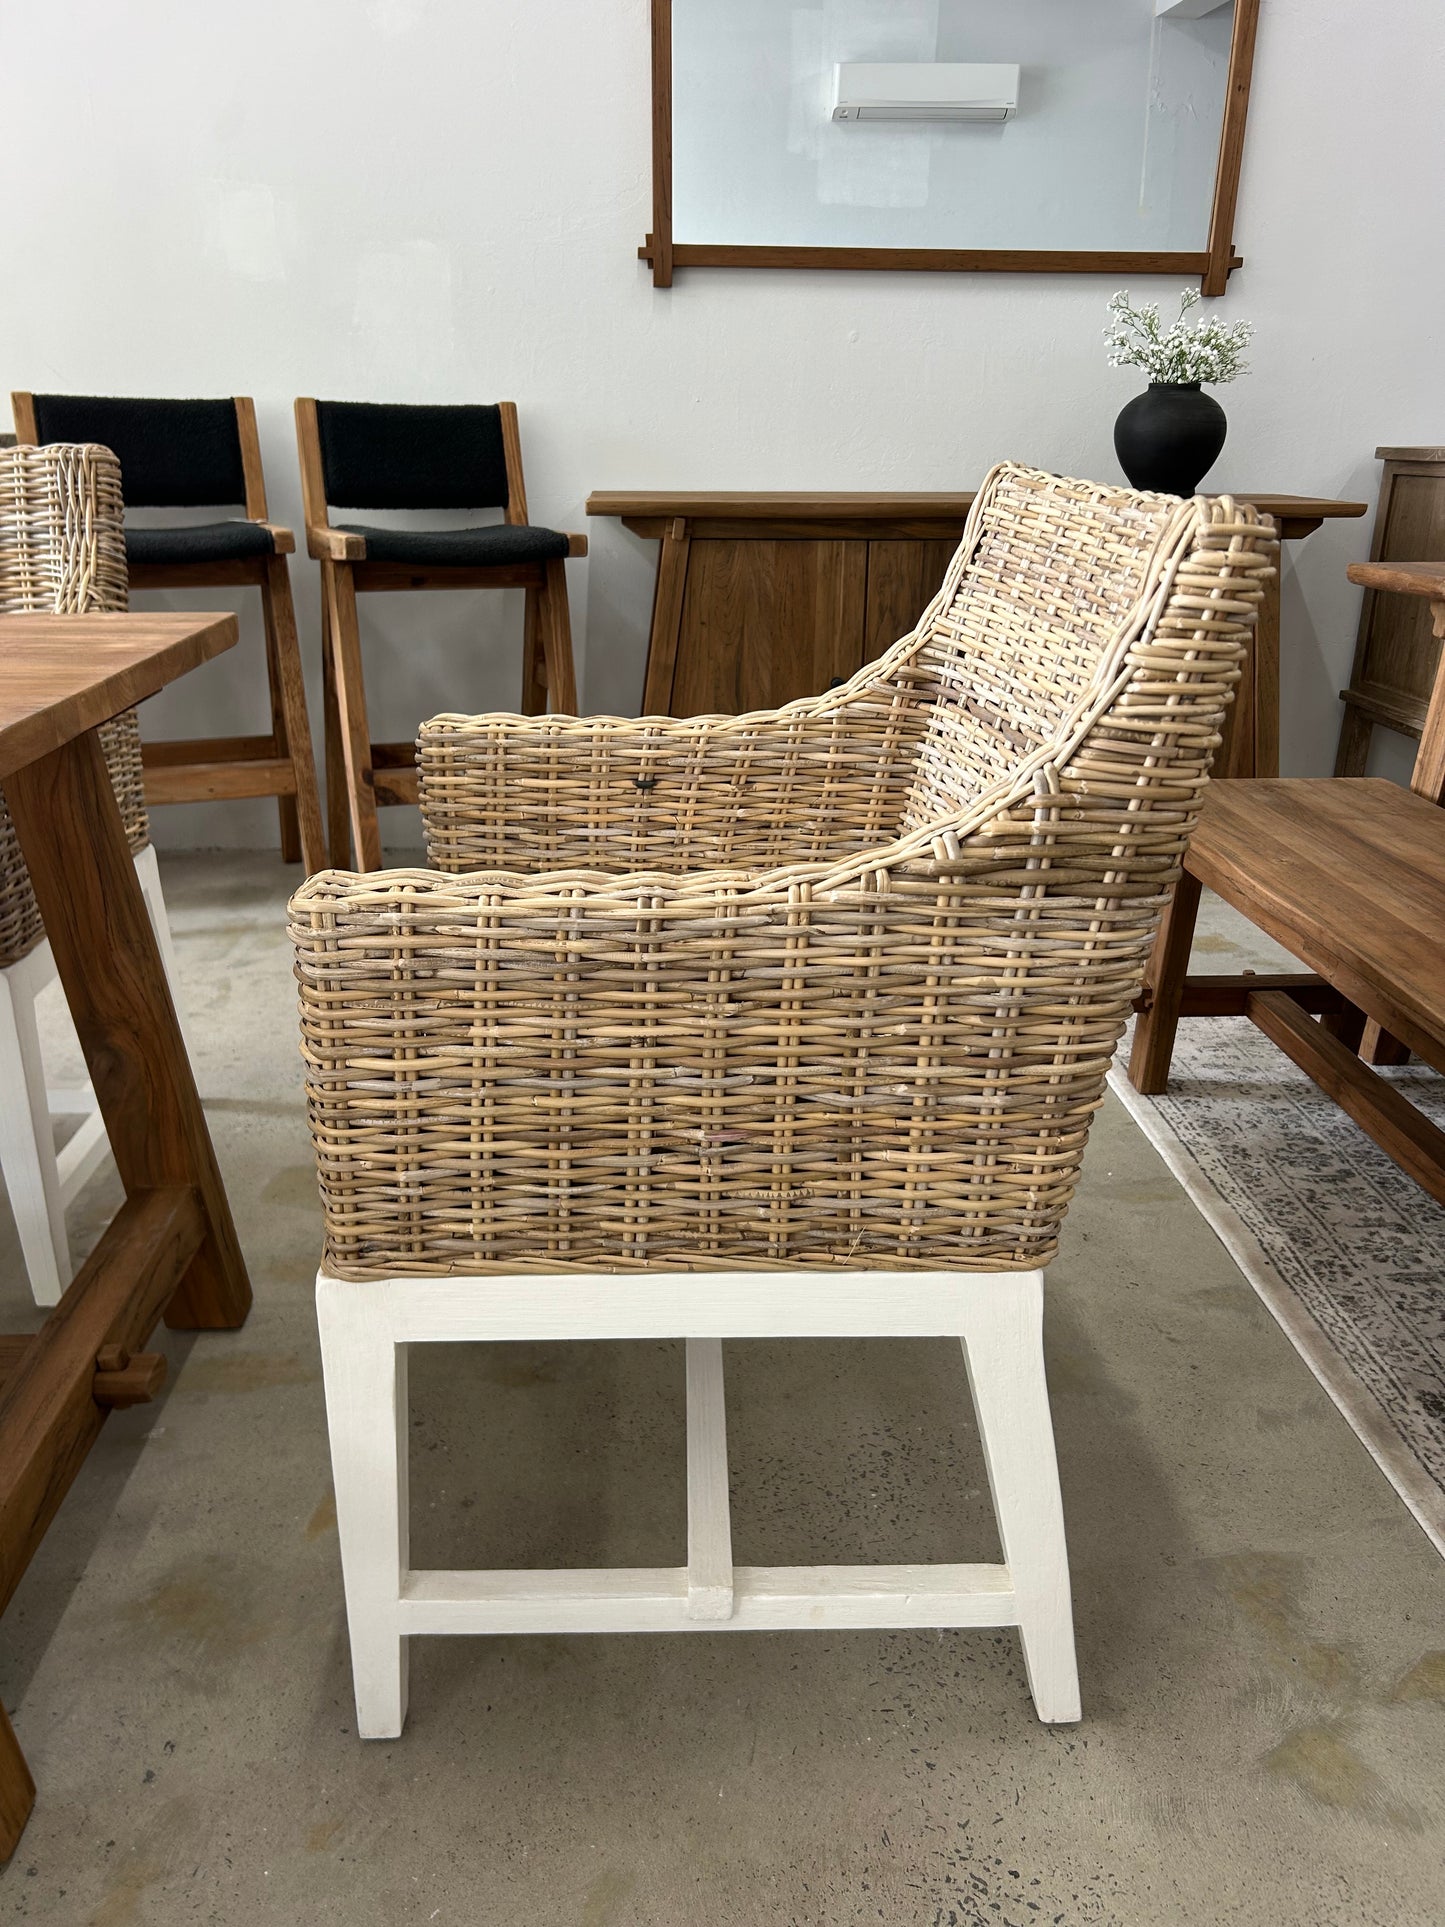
(1349, 875)
(61, 675)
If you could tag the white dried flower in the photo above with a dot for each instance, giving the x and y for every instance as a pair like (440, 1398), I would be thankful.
(1212, 350)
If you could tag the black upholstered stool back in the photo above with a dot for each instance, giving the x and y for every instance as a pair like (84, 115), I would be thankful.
(172, 454)
(393, 455)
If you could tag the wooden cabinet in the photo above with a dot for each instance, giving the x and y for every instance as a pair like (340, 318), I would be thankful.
(764, 621)
(1397, 652)
(762, 598)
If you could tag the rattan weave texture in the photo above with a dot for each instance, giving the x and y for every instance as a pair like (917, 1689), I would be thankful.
(833, 985)
(62, 552)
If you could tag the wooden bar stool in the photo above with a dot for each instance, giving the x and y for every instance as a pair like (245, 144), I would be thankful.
(204, 454)
(369, 455)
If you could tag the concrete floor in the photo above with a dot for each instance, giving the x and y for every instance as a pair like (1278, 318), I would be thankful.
(1260, 1622)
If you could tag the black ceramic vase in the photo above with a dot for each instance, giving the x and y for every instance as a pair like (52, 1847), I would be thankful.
(1169, 437)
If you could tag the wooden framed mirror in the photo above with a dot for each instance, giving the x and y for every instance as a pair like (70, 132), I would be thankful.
(1052, 136)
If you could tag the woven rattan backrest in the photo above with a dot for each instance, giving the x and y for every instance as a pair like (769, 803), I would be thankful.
(62, 552)
(1048, 572)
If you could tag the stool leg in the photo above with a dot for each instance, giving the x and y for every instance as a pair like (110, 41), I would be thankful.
(366, 1416)
(534, 676)
(556, 624)
(301, 834)
(285, 805)
(27, 1145)
(338, 818)
(1003, 1347)
(354, 729)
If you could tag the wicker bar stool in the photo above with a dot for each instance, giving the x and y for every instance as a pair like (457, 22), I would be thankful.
(769, 1025)
(207, 454)
(62, 552)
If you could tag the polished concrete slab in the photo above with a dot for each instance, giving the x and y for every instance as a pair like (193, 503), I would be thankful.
(1261, 1624)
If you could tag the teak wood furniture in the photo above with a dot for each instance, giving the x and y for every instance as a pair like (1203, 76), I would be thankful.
(62, 552)
(390, 456)
(1425, 716)
(1397, 650)
(1213, 264)
(1348, 873)
(171, 1249)
(774, 1025)
(206, 454)
(762, 598)
(1426, 721)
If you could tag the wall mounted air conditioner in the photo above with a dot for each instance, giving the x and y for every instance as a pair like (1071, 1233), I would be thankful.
(925, 90)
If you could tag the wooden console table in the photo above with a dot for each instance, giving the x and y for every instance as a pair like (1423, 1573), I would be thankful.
(171, 1247)
(764, 598)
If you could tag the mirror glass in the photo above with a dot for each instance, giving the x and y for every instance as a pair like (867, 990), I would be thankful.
(1077, 124)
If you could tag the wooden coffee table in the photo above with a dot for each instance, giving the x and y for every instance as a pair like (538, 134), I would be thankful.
(1348, 874)
(171, 1248)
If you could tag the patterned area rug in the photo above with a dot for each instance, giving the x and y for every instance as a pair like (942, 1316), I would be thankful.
(1345, 1250)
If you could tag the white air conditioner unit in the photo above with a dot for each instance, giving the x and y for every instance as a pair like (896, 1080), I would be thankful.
(925, 90)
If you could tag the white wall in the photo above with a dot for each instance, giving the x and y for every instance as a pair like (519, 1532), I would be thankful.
(442, 199)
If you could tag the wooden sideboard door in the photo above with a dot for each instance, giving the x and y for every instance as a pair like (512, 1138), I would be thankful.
(903, 578)
(755, 623)
(763, 622)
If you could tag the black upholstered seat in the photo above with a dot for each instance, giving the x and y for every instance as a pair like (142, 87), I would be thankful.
(494, 545)
(207, 542)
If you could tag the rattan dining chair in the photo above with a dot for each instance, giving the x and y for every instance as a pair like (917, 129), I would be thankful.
(767, 1026)
(199, 454)
(62, 552)
(423, 457)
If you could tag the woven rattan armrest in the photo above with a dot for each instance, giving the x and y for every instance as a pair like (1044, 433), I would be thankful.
(818, 779)
(575, 1070)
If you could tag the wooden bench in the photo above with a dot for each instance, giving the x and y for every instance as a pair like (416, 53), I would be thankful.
(1348, 874)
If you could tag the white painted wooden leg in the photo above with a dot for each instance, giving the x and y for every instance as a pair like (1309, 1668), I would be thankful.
(366, 1414)
(27, 1141)
(709, 1517)
(1003, 1344)
(149, 877)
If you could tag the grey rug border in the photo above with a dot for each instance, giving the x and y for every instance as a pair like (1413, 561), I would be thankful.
(1363, 1412)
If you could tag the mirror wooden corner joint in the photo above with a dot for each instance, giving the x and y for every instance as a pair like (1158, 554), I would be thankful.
(1213, 264)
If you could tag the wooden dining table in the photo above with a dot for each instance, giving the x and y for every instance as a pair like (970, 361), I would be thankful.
(763, 597)
(171, 1250)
